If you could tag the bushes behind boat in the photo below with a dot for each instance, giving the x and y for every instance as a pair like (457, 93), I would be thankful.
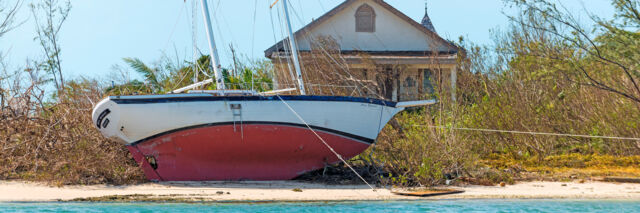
(55, 141)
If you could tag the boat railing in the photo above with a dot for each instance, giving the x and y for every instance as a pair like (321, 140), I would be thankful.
(225, 92)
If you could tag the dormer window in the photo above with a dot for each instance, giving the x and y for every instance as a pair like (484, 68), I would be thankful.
(365, 19)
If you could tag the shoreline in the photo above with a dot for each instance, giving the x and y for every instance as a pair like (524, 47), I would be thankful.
(287, 191)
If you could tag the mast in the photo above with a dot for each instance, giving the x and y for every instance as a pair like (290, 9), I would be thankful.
(213, 57)
(294, 48)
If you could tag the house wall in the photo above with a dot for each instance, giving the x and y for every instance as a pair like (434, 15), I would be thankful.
(399, 82)
(406, 82)
(393, 77)
(391, 33)
(412, 82)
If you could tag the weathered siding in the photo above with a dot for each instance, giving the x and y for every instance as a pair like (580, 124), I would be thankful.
(387, 63)
(391, 33)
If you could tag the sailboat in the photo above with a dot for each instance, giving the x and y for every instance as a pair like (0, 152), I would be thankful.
(242, 135)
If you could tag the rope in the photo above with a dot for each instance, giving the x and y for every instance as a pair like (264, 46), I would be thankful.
(325, 143)
(248, 84)
(220, 38)
(253, 27)
(286, 48)
(274, 4)
(173, 30)
(532, 133)
(312, 36)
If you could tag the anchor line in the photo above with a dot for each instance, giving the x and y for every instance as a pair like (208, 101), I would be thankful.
(530, 133)
(325, 143)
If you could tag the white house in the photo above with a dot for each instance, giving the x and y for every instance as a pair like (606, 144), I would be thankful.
(405, 59)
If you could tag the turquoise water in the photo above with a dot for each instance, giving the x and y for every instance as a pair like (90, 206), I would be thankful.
(396, 206)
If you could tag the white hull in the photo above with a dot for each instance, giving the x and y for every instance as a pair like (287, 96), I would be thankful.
(131, 119)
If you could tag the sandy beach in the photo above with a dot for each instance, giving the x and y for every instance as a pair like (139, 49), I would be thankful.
(284, 191)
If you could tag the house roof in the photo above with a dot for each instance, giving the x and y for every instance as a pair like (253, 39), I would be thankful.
(280, 45)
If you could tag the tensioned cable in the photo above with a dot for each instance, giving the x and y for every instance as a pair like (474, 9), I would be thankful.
(194, 42)
(273, 30)
(220, 39)
(196, 66)
(253, 28)
(531, 133)
(284, 46)
(275, 40)
(300, 61)
(173, 30)
(324, 142)
(311, 35)
(169, 40)
(293, 85)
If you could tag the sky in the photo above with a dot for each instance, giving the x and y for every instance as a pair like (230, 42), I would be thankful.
(99, 33)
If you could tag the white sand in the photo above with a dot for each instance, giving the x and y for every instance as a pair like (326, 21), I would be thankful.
(570, 190)
(282, 191)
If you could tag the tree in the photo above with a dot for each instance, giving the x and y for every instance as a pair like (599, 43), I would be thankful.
(153, 76)
(168, 76)
(49, 16)
(7, 23)
(605, 57)
(8, 16)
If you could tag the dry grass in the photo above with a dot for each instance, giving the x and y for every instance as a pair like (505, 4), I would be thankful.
(567, 166)
(57, 142)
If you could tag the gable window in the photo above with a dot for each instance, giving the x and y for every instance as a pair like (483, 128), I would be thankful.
(365, 19)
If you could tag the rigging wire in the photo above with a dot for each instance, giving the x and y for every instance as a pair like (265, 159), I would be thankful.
(221, 38)
(284, 46)
(253, 29)
(275, 40)
(229, 29)
(324, 142)
(294, 85)
(173, 30)
(195, 66)
(301, 62)
(175, 26)
(194, 42)
(344, 69)
(300, 7)
(530, 133)
(326, 11)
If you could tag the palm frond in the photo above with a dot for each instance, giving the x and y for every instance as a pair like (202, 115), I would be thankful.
(150, 74)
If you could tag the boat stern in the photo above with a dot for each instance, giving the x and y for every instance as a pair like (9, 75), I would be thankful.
(389, 112)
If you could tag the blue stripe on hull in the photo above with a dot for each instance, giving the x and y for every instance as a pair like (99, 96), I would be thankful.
(181, 98)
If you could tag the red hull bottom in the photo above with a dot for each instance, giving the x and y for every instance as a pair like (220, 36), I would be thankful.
(253, 152)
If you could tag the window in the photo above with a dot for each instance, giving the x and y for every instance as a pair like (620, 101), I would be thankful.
(365, 19)
(364, 74)
(409, 82)
(427, 84)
